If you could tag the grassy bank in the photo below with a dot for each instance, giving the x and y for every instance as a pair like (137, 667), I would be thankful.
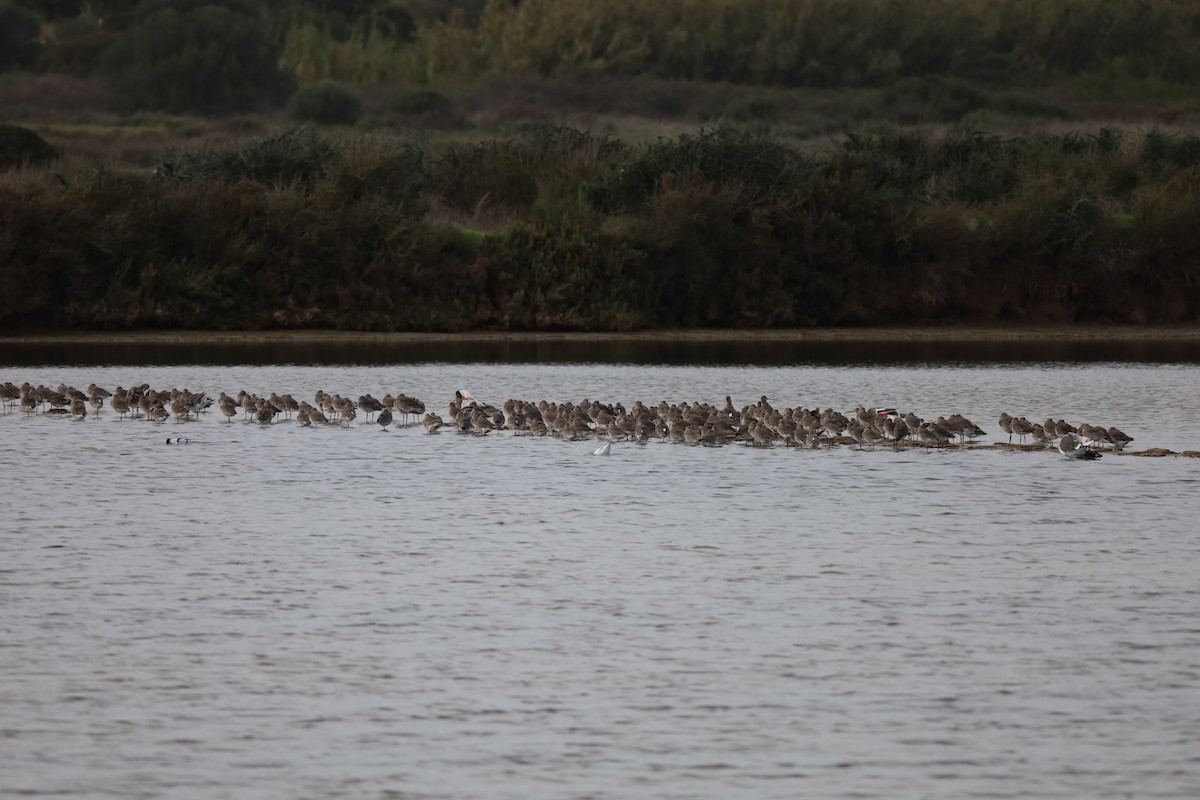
(558, 229)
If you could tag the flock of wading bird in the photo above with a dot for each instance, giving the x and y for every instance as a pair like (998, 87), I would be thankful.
(758, 424)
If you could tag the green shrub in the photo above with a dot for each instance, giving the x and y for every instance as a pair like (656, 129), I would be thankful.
(420, 101)
(978, 166)
(22, 146)
(561, 279)
(751, 108)
(327, 103)
(512, 174)
(757, 159)
(1019, 106)
(395, 174)
(932, 98)
(1160, 149)
(297, 156)
(716, 230)
(196, 55)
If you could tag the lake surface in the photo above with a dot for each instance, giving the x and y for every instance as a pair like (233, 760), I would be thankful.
(277, 611)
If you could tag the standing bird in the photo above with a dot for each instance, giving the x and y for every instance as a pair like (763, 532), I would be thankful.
(228, 406)
(10, 394)
(370, 406)
(408, 406)
(265, 412)
(1022, 428)
(97, 396)
(1006, 425)
(119, 402)
(384, 419)
(1119, 438)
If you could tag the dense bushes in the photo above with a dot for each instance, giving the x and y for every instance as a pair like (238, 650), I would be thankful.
(325, 102)
(1114, 47)
(822, 42)
(939, 59)
(22, 146)
(196, 55)
(725, 228)
(298, 157)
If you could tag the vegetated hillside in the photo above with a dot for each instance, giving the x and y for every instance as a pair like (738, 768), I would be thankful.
(721, 229)
(163, 54)
(754, 168)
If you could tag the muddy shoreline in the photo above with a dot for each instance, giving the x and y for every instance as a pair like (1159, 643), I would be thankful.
(991, 333)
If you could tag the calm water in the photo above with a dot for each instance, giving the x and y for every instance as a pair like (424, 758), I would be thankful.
(350, 613)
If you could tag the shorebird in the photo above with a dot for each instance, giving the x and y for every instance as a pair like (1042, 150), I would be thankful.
(344, 407)
(384, 419)
(265, 412)
(1093, 434)
(855, 431)
(370, 406)
(1040, 436)
(1022, 428)
(896, 428)
(871, 436)
(249, 403)
(10, 395)
(931, 434)
(409, 406)
(965, 428)
(462, 399)
(228, 406)
(56, 399)
(433, 422)
(1006, 425)
(97, 396)
(119, 402)
(1119, 438)
(760, 434)
(482, 423)
(180, 409)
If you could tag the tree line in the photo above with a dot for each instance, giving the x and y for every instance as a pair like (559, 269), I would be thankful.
(725, 228)
(222, 55)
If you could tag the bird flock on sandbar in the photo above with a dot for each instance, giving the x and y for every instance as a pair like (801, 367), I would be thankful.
(760, 424)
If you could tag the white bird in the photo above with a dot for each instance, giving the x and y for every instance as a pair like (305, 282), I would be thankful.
(603, 450)
(1072, 446)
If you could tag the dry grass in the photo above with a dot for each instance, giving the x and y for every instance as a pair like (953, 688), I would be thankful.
(53, 98)
(75, 114)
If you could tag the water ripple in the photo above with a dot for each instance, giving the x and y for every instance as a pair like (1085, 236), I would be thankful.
(348, 613)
